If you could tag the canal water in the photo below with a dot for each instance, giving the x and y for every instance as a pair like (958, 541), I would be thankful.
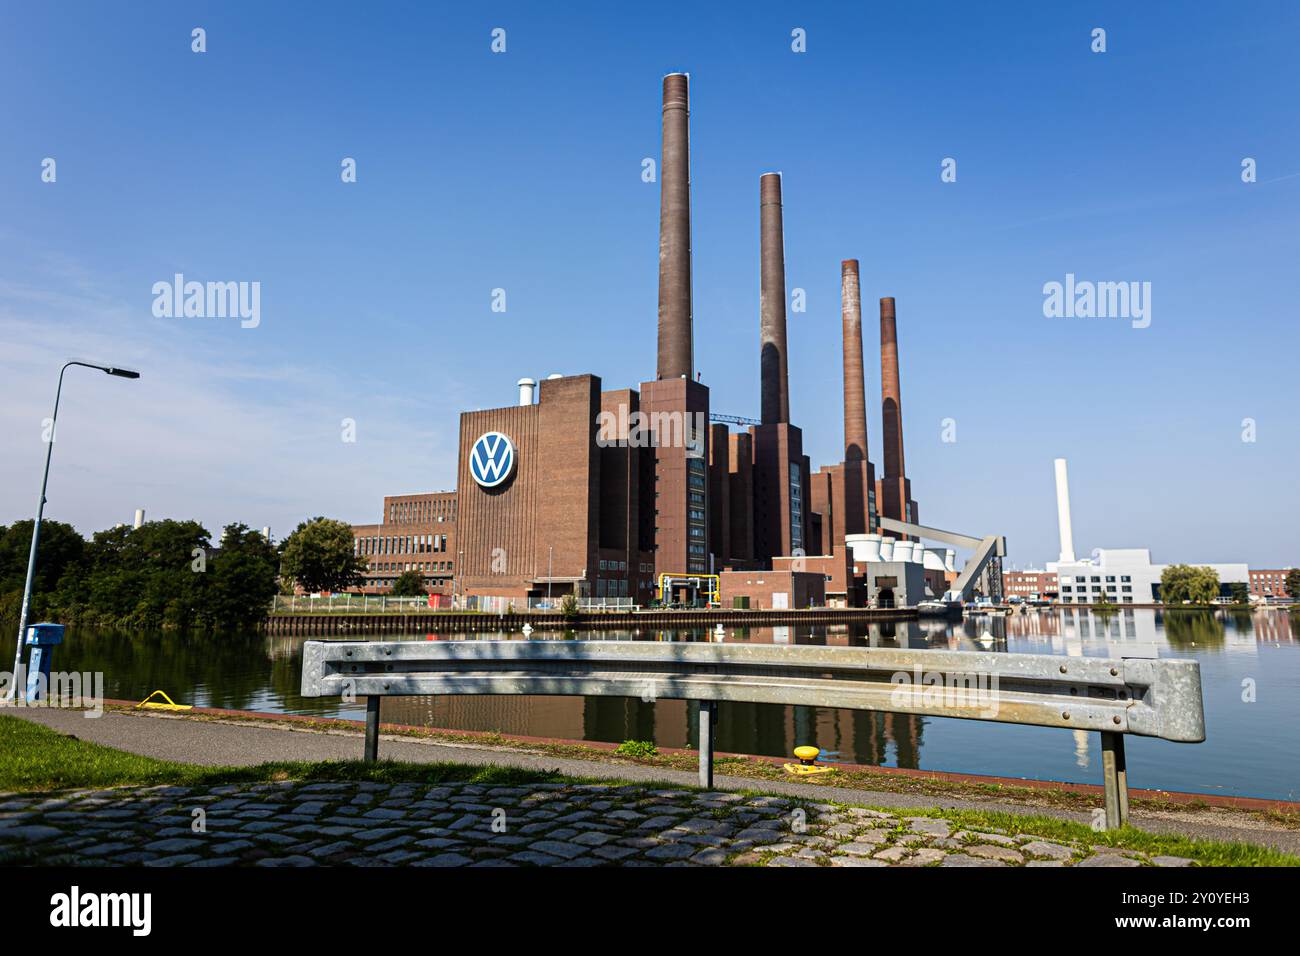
(1250, 671)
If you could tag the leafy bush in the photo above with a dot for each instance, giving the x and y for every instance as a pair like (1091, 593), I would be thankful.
(637, 748)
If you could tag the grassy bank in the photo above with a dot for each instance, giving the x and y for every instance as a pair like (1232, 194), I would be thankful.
(33, 757)
(36, 758)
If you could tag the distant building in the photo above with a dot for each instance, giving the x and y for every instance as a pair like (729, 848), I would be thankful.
(1030, 584)
(418, 533)
(772, 590)
(1270, 585)
(1127, 576)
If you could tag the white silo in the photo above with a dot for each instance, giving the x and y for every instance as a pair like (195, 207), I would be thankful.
(864, 547)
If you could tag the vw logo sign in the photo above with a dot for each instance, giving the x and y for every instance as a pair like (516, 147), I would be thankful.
(492, 460)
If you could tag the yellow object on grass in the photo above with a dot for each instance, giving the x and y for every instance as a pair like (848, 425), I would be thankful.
(170, 705)
(807, 765)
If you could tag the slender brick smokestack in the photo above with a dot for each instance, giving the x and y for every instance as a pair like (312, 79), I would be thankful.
(891, 400)
(771, 309)
(855, 388)
(675, 345)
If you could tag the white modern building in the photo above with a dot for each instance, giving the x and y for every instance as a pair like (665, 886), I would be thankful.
(1127, 576)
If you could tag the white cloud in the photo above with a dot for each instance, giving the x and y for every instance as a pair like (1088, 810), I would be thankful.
(201, 434)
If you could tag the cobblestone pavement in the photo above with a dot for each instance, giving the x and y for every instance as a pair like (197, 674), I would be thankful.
(378, 824)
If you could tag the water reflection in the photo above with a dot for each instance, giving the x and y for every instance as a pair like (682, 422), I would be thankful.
(1250, 749)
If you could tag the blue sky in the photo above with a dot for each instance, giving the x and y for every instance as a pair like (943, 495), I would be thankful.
(522, 171)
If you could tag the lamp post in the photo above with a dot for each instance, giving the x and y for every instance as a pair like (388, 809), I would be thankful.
(40, 510)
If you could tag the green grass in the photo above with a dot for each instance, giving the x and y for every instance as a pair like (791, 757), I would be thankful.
(33, 757)
(1204, 852)
(36, 758)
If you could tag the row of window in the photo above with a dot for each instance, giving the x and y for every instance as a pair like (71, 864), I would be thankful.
(1083, 599)
(389, 566)
(1096, 588)
(399, 544)
(1110, 579)
(423, 509)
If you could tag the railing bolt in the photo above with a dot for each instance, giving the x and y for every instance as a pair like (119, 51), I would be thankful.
(1065, 715)
(1114, 672)
(1115, 719)
(1063, 669)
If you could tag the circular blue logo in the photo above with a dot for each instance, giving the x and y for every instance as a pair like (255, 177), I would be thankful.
(492, 460)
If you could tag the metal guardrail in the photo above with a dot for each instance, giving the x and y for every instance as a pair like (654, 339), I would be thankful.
(1113, 696)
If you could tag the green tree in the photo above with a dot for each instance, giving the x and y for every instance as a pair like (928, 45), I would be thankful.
(242, 579)
(409, 584)
(569, 607)
(1293, 584)
(319, 556)
(60, 548)
(1240, 592)
(1180, 583)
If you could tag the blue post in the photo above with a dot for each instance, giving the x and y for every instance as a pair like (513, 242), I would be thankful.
(42, 639)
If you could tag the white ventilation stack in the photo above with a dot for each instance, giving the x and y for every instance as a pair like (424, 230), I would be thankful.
(139, 517)
(1063, 512)
(950, 560)
(887, 547)
(266, 533)
(934, 560)
(863, 547)
(526, 388)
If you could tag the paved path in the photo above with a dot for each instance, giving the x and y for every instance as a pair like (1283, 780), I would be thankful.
(236, 743)
(379, 824)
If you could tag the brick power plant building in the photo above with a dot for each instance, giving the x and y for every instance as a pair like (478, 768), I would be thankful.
(579, 489)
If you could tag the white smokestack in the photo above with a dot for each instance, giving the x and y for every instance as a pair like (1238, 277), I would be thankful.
(526, 386)
(139, 517)
(1063, 512)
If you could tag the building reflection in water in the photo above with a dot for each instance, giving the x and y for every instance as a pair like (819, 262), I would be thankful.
(857, 736)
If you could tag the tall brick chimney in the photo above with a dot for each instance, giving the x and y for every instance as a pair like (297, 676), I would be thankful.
(891, 405)
(855, 389)
(675, 339)
(775, 387)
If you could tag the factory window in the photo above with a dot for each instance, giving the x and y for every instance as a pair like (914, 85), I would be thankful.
(1066, 588)
(1095, 578)
(1125, 587)
(1110, 578)
(1128, 600)
(1125, 578)
(602, 564)
(1080, 580)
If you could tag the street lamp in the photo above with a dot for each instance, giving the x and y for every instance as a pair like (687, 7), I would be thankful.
(40, 510)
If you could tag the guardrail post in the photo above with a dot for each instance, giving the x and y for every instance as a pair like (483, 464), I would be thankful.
(1115, 777)
(372, 728)
(708, 724)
